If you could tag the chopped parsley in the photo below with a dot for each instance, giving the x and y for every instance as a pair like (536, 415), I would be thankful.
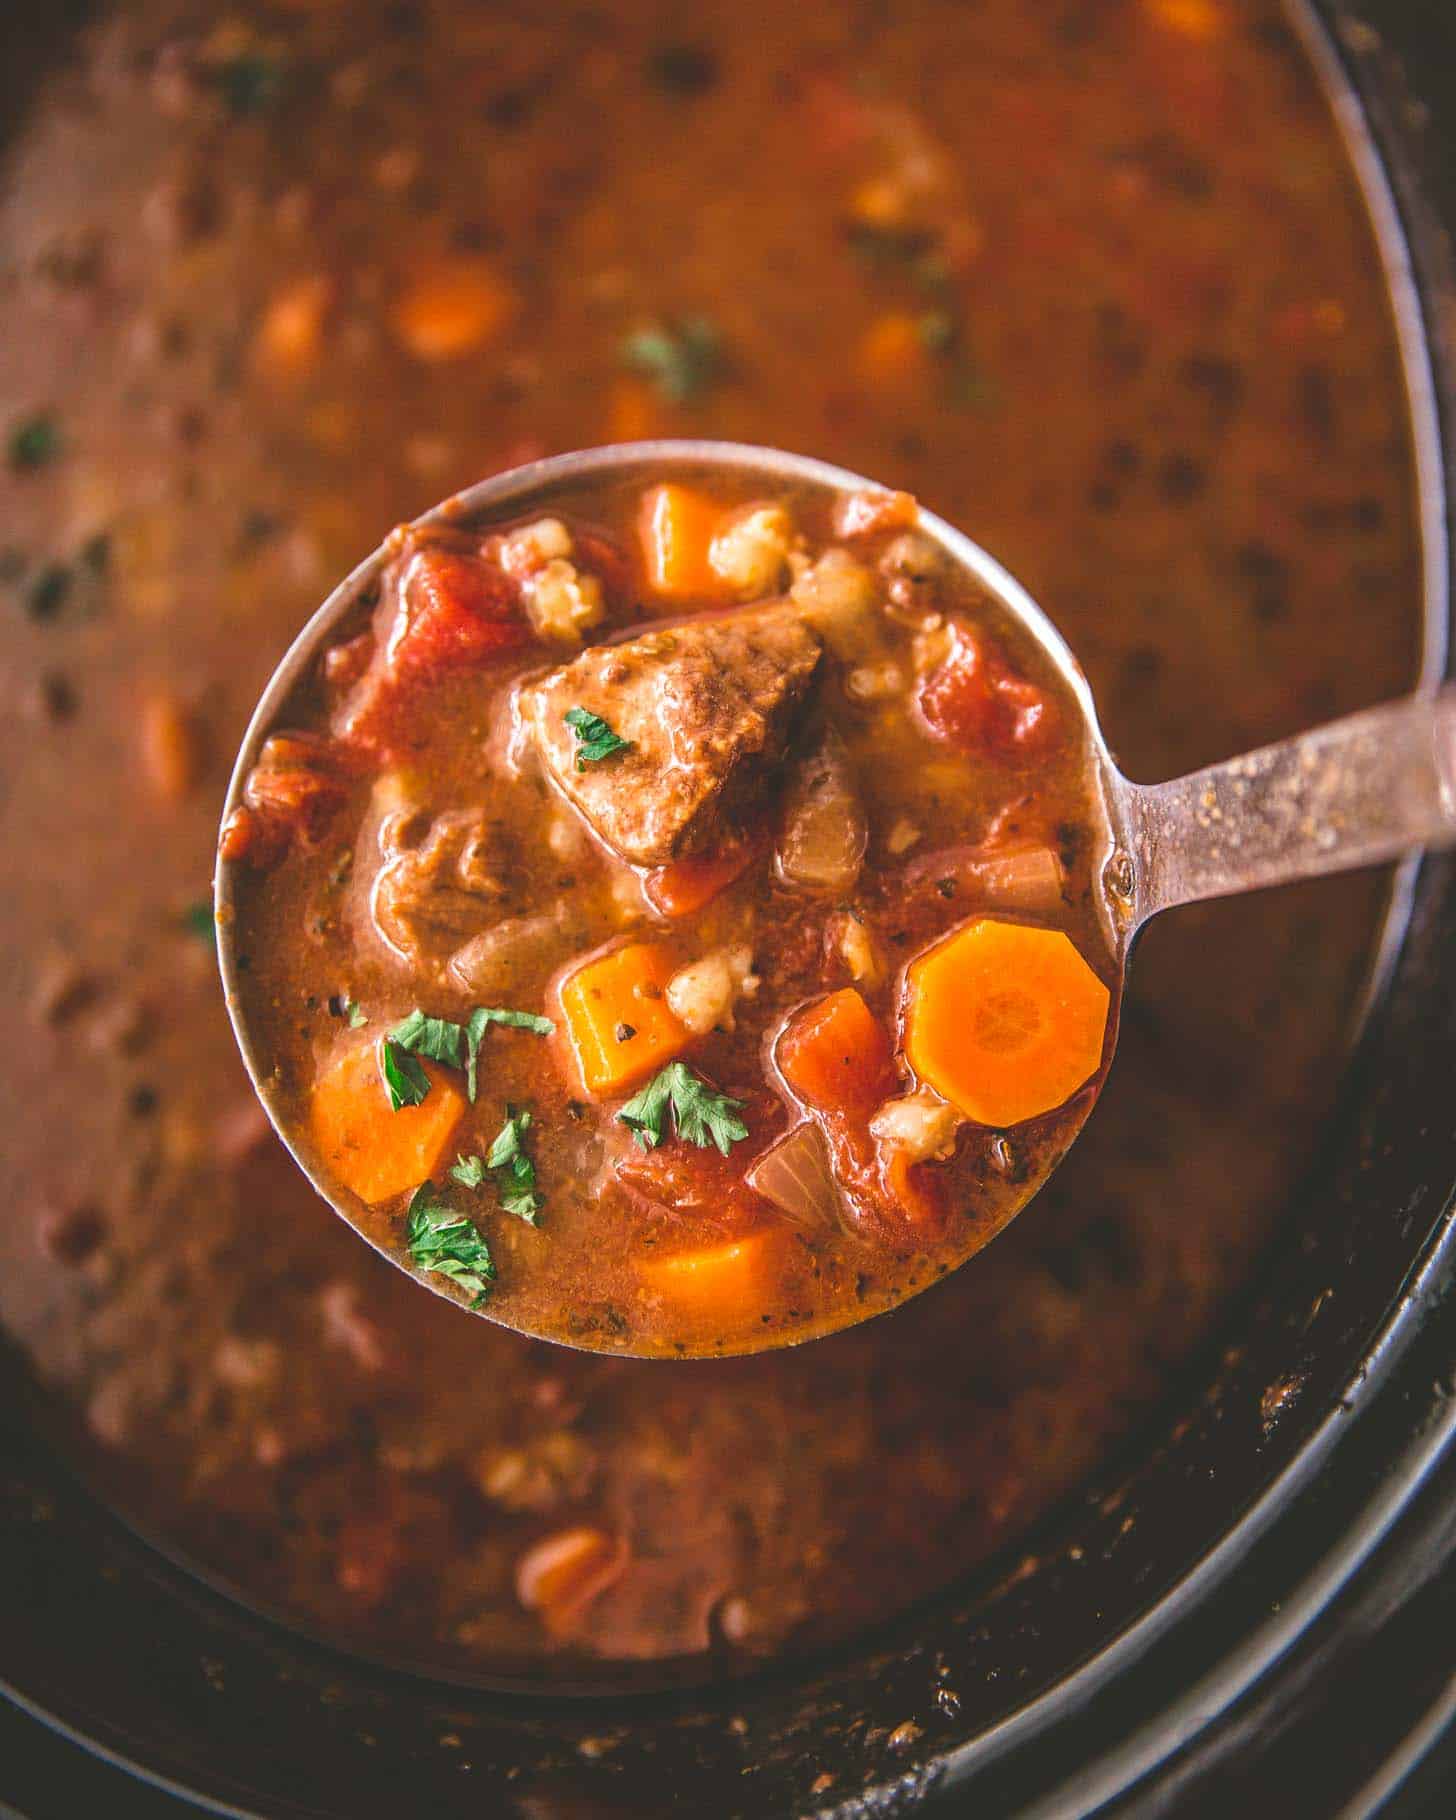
(700, 1115)
(683, 69)
(481, 1020)
(456, 1045)
(444, 1241)
(403, 1076)
(197, 919)
(49, 591)
(469, 1171)
(354, 1012)
(514, 1172)
(595, 740)
(682, 360)
(35, 442)
(252, 82)
(434, 1037)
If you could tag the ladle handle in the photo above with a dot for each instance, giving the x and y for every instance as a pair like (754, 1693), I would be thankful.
(1358, 791)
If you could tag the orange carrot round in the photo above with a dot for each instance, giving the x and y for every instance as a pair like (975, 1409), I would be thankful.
(1004, 1020)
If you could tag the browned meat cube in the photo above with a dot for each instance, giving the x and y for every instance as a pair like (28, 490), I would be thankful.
(707, 708)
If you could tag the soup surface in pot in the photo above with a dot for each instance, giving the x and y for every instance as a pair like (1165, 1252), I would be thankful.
(1092, 280)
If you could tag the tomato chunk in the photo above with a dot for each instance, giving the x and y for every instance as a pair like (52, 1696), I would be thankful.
(455, 612)
(976, 700)
(836, 1056)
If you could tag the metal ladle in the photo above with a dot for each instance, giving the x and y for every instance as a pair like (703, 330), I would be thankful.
(1361, 790)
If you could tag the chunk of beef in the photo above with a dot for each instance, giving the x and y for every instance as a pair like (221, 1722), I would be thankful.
(441, 881)
(708, 709)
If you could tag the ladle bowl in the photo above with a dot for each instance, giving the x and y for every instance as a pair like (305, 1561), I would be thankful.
(1356, 792)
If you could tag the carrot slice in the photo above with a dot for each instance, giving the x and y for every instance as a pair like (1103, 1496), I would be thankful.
(1005, 1020)
(677, 528)
(687, 884)
(834, 1054)
(717, 1282)
(617, 1020)
(376, 1152)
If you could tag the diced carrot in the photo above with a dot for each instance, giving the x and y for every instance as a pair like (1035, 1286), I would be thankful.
(687, 884)
(1004, 1020)
(617, 1020)
(835, 1055)
(290, 332)
(560, 1575)
(893, 351)
(1201, 20)
(719, 1282)
(634, 411)
(171, 746)
(677, 529)
(452, 306)
(374, 1151)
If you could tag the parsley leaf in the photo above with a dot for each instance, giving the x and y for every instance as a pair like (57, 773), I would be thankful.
(435, 1037)
(34, 442)
(595, 740)
(700, 1115)
(403, 1076)
(514, 1172)
(444, 1241)
(354, 1011)
(469, 1171)
(456, 1045)
(252, 82)
(480, 1021)
(681, 360)
(197, 919)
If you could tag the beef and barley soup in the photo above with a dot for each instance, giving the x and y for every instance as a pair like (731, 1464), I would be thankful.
(1090, 280)
(699, 881)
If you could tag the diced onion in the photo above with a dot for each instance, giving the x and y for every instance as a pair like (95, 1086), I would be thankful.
(1013, 878)
(795, 1175)
(822, 844)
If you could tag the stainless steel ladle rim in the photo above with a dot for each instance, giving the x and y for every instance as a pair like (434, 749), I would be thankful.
(495, 497)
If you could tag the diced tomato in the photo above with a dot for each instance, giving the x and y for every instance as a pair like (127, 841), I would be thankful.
(344, 664)
(977, 701)
(251, 839)
(306, 801)
(682, 888)
(455, 612)
(835, 1055)
(702, 1184)
(602, 556)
